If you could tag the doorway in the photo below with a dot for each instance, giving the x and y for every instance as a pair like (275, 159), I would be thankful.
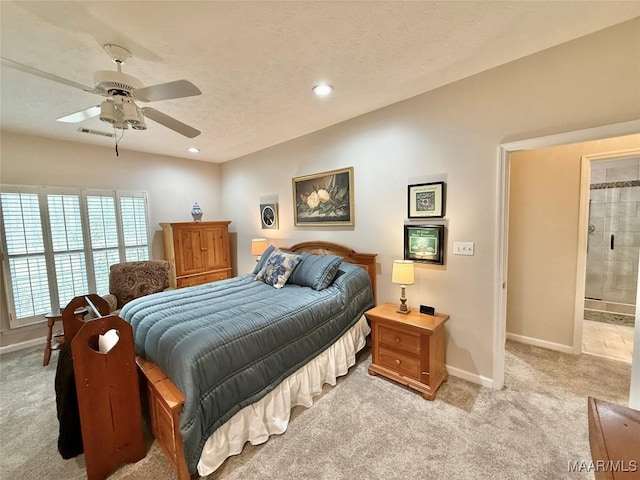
(613, 247)
(502, 247)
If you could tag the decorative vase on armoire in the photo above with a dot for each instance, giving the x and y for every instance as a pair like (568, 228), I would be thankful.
(196, 212)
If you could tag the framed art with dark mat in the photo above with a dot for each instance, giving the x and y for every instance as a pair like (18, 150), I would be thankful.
(269, 215)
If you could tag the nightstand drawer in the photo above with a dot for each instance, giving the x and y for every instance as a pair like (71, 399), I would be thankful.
(400, 362)
(399, 340)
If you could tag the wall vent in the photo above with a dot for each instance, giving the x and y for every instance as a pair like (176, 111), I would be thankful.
(95, 132)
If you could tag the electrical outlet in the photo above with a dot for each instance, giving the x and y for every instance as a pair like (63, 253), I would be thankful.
(463, 248)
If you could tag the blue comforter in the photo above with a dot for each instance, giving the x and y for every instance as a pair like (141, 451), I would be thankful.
(227, 344)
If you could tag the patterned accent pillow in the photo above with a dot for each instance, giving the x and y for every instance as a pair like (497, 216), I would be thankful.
(263, 259)
(278, 268)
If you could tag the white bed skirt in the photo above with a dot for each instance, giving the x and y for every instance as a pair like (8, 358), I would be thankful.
(270, 415)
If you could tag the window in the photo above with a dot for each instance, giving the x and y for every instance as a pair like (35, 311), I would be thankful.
(25, 254)
(60, 243)
(68, 246)
(134, 221)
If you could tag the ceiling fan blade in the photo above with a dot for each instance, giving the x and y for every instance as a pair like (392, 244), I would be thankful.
(77, 117)
(166, 91)
(170, 122)
(46, 75)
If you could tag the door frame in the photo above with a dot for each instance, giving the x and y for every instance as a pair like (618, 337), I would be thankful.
(502, 224)
(583, 235)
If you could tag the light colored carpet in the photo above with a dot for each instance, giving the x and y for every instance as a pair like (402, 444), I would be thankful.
(365, 427)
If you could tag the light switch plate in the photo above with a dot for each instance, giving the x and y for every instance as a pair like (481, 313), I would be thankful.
(463, 248)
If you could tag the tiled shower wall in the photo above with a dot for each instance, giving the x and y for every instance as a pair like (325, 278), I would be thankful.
(612, 274)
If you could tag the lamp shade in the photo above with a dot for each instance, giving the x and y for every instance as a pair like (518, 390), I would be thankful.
(258, 246)
(108, 112)
(402, 272)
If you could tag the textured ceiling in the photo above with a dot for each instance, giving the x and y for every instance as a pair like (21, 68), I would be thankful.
(256, 62)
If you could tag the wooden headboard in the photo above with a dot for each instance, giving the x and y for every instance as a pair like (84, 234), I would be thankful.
(364, 260)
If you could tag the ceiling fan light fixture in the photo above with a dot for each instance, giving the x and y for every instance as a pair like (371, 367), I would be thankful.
(122, 90)
(120, 123)
(130, 113)
(139, 125)
(108, 112)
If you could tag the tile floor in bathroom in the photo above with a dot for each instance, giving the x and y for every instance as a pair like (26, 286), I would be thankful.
(607, 340)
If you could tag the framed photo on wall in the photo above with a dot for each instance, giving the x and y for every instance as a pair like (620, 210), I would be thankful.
(424, 243)
(324, 199)
(269, 215)
(426, 200)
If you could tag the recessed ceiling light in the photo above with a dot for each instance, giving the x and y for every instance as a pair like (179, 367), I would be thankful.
(193, 149)
(322, 89)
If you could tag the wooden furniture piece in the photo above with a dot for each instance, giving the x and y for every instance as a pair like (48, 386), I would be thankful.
(197, 251)
(614, 437)
(107, 388)
(166, 401)
(54, 341)
(52, 318)
(409, 349)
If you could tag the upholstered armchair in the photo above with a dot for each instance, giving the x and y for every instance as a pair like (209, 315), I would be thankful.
(131, 280)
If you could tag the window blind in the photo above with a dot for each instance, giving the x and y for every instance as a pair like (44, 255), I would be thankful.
(68, 246)
(29, 285)
(103, 228)
(60, 243)
(134, 226)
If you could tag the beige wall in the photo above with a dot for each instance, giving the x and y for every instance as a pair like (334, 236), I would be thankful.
(451, 133)
(543, 238)
(172, 186)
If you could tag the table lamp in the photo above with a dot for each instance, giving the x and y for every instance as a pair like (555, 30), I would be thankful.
(258, 246)
(403, 275)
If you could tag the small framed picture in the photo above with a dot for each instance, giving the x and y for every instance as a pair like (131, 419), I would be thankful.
(269, 215)
(424, 243)
(426, 200)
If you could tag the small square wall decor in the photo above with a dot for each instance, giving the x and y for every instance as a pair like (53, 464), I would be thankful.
(426, 200)
(424, 243)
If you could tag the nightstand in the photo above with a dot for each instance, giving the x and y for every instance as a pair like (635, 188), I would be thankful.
(409, 349)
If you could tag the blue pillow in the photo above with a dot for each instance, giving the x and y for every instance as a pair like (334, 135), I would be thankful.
(316, 271)
(278, 268)
(263, 259)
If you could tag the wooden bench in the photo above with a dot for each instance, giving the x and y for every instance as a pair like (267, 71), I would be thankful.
(614, 437)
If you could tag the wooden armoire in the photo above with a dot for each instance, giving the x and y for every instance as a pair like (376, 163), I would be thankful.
(198, 252)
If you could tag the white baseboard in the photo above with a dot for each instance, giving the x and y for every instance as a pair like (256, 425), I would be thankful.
(470, 377)
(540, 343)
(22, 345)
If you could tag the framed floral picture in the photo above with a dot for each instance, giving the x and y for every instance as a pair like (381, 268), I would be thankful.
(426, 200)
(424, 243)
(324, 199)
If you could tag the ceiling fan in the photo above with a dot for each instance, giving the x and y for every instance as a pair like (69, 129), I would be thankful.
(122, 92)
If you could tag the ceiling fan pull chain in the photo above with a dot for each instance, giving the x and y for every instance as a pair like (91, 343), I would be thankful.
(115, 139)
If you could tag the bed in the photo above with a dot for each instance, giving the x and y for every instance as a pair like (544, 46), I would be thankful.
(225, 362)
